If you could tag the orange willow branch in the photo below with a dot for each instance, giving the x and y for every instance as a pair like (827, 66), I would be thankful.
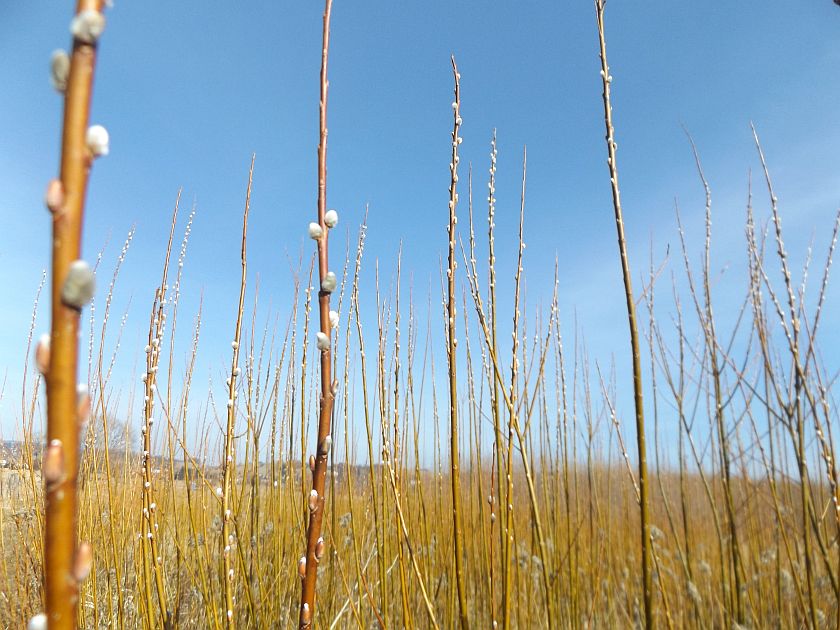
(229, 466)
(72, 287)
(606, 79)
(315, 546)
(457, 514)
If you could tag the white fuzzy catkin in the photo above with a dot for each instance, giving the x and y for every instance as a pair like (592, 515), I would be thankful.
(59, 70)
(322, 341)
(79, 285)
(97, 140)
(334, 319)
(326, 445)
(331, 218)
(54, 197)
(83, 562)
(315, 231)
(329, 282)
(83, 403)
(87, 26)
(38, 622)
(52, 464)
(42, 354)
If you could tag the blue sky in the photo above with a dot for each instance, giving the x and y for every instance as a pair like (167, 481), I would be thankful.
(188, 94)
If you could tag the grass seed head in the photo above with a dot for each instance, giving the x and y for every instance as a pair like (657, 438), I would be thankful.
(694, 594)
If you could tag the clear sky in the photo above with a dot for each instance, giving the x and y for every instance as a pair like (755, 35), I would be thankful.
(189, 90)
